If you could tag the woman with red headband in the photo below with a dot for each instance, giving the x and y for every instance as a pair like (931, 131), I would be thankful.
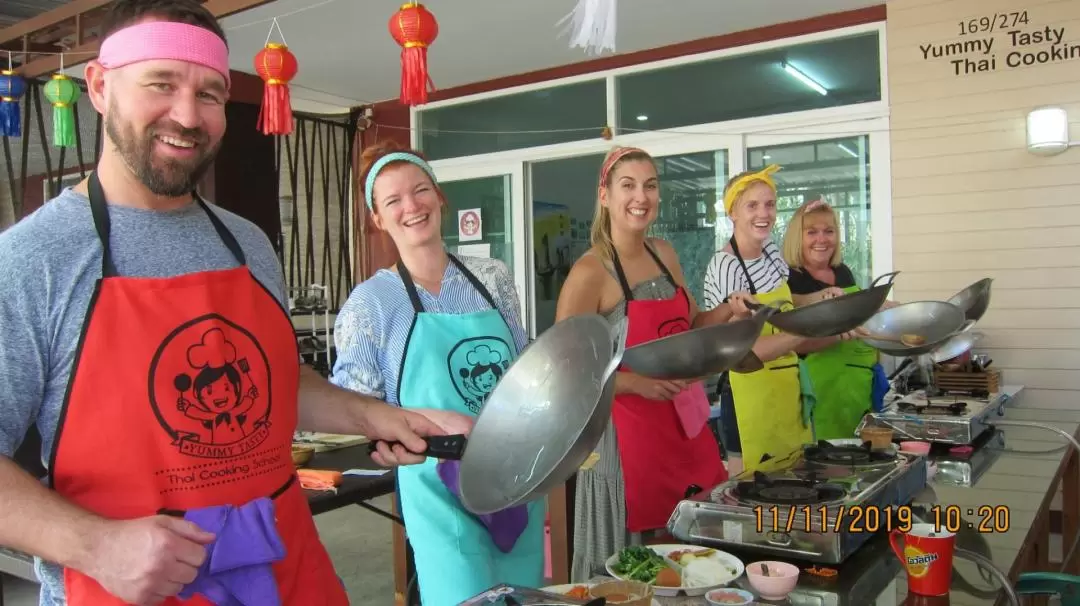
(657, 444)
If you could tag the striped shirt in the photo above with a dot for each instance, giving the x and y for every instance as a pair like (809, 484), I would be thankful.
(725, 275)
(373, 324)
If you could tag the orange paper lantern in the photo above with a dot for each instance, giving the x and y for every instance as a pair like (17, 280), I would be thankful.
(414, 28)
(276, 66)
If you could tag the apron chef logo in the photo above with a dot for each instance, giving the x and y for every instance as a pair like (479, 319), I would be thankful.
(475, 366)
(673, 326)
(210, 388)
(918, 562)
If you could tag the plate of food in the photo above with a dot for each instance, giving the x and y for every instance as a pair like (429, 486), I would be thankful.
(676, 569)
(578, 591)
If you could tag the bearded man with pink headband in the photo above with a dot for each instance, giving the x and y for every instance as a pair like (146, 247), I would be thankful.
(146, 336)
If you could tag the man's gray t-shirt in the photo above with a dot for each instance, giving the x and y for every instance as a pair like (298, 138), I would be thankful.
(49, 264)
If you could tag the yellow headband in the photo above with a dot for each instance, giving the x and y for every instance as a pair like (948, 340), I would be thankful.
(739, 186)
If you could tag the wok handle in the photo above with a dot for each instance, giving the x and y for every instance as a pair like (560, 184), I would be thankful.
(447, 448)
(891, 276)
(620, 331)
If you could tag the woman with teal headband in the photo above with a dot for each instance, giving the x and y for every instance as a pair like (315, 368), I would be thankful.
(437, 331)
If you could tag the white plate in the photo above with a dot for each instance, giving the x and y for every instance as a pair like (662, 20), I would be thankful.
(723, 557)
(563, 589)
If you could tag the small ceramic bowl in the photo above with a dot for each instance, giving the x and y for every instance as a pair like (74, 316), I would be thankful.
(781, 580)
(301, 455)
(915, 447)
(729, 597)
(624, 593)
(879, 437)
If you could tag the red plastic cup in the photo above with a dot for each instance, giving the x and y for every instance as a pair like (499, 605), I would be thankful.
(927, 554)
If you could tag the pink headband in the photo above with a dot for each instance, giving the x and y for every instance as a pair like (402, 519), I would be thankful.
(615, 157)
(815, 205)
(165, 40)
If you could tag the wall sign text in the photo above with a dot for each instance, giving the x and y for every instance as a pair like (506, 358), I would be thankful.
(1002, 41)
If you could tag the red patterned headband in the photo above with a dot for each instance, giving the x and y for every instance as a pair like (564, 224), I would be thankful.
(615, 157)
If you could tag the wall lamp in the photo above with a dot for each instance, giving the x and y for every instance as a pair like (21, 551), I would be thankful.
(1048, 131)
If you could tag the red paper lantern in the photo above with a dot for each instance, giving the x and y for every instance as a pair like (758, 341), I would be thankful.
(414, 28)
(276, 66)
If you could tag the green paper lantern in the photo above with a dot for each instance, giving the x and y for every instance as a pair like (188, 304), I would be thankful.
(63, 93)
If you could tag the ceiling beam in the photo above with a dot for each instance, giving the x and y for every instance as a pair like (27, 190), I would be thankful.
(88, 50)
(49, 19)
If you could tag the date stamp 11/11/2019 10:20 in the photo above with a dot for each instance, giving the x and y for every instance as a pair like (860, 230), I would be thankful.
(875, 518)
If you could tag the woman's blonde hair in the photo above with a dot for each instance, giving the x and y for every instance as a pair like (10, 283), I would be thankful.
(600, 234)
(793, 237)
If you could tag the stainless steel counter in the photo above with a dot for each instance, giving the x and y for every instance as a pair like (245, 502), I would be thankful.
(1020, 481)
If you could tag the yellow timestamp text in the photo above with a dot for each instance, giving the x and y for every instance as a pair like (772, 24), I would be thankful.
(833, 518)
(984, 519)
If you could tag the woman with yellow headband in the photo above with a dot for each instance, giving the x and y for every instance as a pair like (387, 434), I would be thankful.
(844, 372)
(657, 444)
(766, 405)
(437, 331)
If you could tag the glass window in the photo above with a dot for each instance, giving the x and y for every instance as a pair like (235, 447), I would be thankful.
(691, 199)
(490, 196)
(563, 204)
(837, 170)
(814, 75)
(573, 112)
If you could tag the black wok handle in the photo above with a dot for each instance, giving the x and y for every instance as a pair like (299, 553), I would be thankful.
(448, 448)
(891, 276)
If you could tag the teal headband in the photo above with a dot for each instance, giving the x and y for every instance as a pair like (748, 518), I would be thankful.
(381, 164)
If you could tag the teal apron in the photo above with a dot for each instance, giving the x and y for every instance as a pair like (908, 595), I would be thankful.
(452, 362)
(842, 376)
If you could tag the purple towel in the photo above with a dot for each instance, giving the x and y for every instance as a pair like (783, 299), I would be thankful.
(237, 570)
(504, 526)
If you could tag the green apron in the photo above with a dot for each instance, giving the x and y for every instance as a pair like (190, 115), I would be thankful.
(452, 362)
(842, 376)
(768, 402)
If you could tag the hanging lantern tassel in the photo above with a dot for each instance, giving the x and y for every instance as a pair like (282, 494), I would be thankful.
(12, 88)
(592, 26)
(276, 66)
(414, 28)
(63, 93)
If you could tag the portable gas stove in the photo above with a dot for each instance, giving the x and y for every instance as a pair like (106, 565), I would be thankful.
(820, 506)
(948, 419)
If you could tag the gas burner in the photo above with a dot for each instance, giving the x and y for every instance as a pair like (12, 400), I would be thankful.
(826, 453)
(954, 409)
(787, 491)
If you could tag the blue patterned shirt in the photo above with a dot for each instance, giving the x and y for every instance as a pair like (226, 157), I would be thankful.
(373, 324)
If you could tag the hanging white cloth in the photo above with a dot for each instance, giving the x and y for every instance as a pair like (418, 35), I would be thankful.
(592, 26)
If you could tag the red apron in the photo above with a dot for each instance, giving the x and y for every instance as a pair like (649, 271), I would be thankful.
(659, 462)
(183, 395)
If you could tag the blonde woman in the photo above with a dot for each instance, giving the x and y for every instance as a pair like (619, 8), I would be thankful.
(842, 371)
(648, 456)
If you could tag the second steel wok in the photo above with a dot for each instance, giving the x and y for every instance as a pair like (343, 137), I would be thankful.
(700, 352)
(835, 316)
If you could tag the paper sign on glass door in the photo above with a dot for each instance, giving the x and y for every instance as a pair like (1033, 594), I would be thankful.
(470, 229)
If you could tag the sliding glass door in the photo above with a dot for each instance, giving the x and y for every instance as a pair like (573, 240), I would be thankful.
(485, 217)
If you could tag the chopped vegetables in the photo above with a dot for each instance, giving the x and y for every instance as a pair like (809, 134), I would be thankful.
(639, 564)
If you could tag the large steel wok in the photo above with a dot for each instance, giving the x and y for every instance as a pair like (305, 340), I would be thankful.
(543, 418)
(835, 316)
(974, 300)
(700, 352)
(934, 321)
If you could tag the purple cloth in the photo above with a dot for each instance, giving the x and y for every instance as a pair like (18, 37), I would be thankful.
(237, 570)
(504, 526)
